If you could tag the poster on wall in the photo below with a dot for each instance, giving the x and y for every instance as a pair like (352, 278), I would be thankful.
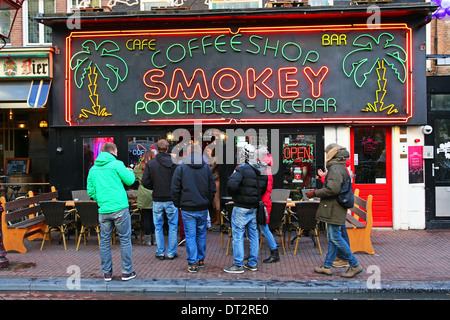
(415, 159)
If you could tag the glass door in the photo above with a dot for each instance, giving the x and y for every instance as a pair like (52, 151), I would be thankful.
(372, 167)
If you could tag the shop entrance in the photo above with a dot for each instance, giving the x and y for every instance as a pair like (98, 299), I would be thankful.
(437, 167)
(372, 166)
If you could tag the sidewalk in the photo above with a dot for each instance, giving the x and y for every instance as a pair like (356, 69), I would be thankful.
(404, 261)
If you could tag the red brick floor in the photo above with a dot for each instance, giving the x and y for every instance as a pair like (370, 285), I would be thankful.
(399, 255)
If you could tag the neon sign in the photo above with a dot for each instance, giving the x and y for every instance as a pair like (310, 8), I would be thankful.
(253, 75)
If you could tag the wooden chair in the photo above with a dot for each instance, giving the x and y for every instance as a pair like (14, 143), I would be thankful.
(306, 222)
(359, 224)
(56, 218)
(22, 219)
(277, 222)
(88, 213)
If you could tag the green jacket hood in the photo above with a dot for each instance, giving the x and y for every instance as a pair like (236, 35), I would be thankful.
(104, 158)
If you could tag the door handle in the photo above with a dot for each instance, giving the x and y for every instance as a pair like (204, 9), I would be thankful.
(433, 168)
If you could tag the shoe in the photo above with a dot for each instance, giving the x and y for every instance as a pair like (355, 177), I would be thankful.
(192, 267)
(352, 271)
(128, 276)
(182, 242)
(247, 266)
(173, 257)
(160, 257)
(323, 270)
(338, 263)
(234, 269)
(107, 276)
(201, 264)
(274, 257)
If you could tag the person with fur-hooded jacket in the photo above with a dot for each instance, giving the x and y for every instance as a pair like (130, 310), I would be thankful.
(334, 214)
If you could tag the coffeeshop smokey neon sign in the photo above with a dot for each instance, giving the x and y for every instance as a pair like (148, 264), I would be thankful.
(306, 74)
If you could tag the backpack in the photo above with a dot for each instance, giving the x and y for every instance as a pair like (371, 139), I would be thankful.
(345, 197)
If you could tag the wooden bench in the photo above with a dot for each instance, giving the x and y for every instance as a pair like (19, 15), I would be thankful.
(20, 219)
(359, 224)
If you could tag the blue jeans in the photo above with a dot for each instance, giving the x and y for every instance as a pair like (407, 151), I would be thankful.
(195, 231)
(122, 220)
(241, 219)
(336, 242)
(159, 208)
(346, 238)
(268, 235)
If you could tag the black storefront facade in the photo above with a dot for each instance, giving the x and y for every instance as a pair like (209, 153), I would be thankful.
(294, 79)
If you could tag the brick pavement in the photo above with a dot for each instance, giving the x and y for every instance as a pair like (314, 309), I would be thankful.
(413, 255)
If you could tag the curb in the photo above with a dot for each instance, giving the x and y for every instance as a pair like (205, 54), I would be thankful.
(260, 288)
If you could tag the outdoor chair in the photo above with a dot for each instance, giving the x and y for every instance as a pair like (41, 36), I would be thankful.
(306, 222)
(80, 195)
(56, 217)
(88, 213)
(277, 222)
(280, 194)
(225, 224)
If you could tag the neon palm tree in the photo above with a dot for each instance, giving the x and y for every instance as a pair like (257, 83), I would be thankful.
(375, 52)
(95, 58)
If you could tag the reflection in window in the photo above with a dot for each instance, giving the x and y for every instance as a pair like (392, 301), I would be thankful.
(299, 163)
(91, 149)
(442, 147)
(137, 146)
(440, 102)
(370, 155)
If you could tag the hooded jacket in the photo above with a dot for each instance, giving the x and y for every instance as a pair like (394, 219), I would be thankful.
(105, 183)
(242, 185)
(329, 210)
(158, 176)
(193, 185)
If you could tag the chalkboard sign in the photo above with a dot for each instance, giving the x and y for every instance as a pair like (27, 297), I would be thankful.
(17, 166)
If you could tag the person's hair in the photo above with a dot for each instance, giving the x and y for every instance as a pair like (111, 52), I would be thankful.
(109, 147)
(147, 156)
(162, 145)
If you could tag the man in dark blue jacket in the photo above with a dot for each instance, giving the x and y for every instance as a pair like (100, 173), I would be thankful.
(193, 190)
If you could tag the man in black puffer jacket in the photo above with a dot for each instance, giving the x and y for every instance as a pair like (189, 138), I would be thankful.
(246, 186)
(193, 190)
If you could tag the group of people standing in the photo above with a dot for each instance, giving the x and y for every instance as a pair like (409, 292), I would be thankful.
(191, 187)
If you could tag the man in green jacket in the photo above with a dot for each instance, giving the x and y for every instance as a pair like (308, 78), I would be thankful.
(105, 185)
(332, 213)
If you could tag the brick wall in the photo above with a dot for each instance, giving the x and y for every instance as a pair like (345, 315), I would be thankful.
(442, 29)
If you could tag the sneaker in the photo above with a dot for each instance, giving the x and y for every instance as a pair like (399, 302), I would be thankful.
(173, 257)
(234, 269)
(201, 264)
(192, 267)
(107, 276)
(161, 257)
(128, 276)
(338, 263)
(323, 270)
(352, 271)
(247, 266)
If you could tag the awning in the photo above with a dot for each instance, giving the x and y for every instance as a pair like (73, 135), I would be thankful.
(24, 94)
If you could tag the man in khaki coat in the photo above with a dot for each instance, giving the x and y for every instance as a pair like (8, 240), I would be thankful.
(334, 214)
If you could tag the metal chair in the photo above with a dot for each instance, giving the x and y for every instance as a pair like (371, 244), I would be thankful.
(306, 222)
(280, 194)
(88, 213)
(80, 195)
(277, 221)
(56, 218)
(225, 224)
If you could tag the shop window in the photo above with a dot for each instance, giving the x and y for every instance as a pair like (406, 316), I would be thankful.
(137, 146)
(442, 145)
(299, 163)
(91, 149)
(440, 102)
(147, 5)
(234, 4)
(370, 155)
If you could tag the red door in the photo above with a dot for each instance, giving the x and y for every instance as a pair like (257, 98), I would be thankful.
(372, 166)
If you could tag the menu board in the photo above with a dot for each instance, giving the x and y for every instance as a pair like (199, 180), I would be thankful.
(17, 165)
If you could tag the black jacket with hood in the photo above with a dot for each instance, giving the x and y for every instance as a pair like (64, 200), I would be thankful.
(242, 185)
(193, 185)
(157, 176)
